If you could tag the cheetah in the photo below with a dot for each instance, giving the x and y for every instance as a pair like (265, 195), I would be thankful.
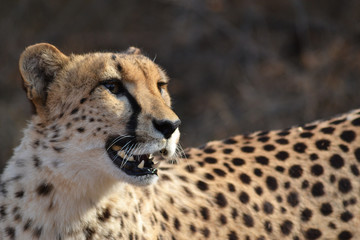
(96, 162)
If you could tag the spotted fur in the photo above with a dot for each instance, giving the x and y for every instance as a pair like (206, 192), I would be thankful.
(297, 183)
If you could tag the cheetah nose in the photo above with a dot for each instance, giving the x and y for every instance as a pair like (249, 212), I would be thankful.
(166, 127)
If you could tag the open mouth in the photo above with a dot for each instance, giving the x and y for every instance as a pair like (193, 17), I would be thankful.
(120, 151)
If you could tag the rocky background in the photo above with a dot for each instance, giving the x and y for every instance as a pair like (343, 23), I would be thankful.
(236, 65)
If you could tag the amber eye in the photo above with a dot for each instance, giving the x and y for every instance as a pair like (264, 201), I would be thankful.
(161, 85)
(115, 87)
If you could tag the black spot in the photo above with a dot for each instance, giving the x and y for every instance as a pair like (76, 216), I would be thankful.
(282, 155)
(205, 213)
(263, 139)
(323, 144)
(10, 231)
(293, 199)
(312, 234)
(306, 135)
(238, 161)
(209, 176)
(287, 185)
(205, 232)
(336, 161)
(268, 208)
(245, 178)
(231, 187)
(282, 141)
(232, 236)
(220, 200)
(230, 141)
(58, 149)
(317, 170)
(326, 209)
(164, 214)
(279, 169)
(295, 171)
(306, 214)
(300, 147)
(234, 213)
(346, 216)
(258, 191)
(219, 172)
(209, 150)
(271, 183)
(262, 160)
(37, 161)
(37, 232)
(355, 170)
(263, 133)
(105, 215)
(348, 136)
(89, 232)
(210, 160)
(202, 185)
(44, 189)
(336, 122)
(327, 130)
(344, 185)
(227, 151)
(27, 224)
(268, 226)
(344, 148)
(332, 178)
(258, 172)
(192, 228)
(356, 122)
(286, 227)
(80, 129)
(248, 220)
(332, 225)
(283, 133)
(244, 197)
(177, 224)
(82, 100)
(357, 154)
(19, 194)
(317, 189)
(269, 147)
(248, 149)
(314, 157)
(75, 110)
(345, 235)
(310, 127)
(222, 219)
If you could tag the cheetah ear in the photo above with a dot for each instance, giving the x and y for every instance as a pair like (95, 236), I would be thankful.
(39, 64)
(133, 50)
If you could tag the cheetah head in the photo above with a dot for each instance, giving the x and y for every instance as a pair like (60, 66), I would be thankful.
(105, 114)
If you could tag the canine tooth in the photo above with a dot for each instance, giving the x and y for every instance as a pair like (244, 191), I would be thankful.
(121, 154)
(115, 148)
(131, 158)
(156, 165)
(141, 165)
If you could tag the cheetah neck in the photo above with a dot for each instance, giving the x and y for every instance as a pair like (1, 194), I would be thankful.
(61, 199)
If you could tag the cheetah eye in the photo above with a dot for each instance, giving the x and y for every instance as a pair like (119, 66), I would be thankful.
(161, 85)
(115, 87)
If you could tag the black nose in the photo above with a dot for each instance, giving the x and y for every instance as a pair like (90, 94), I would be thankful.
(166, 127)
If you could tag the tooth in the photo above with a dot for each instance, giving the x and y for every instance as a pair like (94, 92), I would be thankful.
(121, 154)
(156, 165)
(141, 165)
(131, 158)
(115, 148)
(151, 157)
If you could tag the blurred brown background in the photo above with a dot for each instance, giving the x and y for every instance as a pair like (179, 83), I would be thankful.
(236, 65)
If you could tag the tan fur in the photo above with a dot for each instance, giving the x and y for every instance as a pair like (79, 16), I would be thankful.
(299, 183)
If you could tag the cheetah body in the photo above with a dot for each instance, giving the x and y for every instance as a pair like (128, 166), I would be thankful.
(62, 183)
